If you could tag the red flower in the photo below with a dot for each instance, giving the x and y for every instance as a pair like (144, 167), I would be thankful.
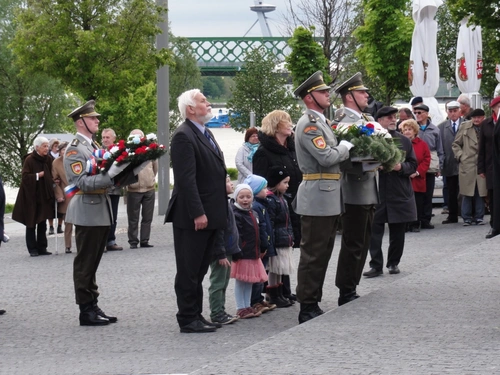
(121, 144)
(370, 126)
(141, 150)
(153, 146)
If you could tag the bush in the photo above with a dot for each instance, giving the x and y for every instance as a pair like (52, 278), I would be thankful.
(9, 207)
(233, 173)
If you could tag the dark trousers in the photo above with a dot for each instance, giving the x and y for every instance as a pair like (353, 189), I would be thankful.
(193, 253)
(357, 221)
(316, 246)
(452, 182)
(258, 288)
(491, 206)
(90, 244)
(136, 201)
(430, 181)
(37, 242)
(396, 244)
(115, 201)
(419, 202)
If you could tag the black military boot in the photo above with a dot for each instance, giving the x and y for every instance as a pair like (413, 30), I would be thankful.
(309, 311)
(97, 309)
(275, 297)
(88, 316)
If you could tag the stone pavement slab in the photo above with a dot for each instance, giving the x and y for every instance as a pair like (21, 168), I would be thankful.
(438, 316)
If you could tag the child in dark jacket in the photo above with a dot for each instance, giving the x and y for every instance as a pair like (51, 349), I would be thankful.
(247, 267)
(225, 246)
(282, 264)
(259, 190)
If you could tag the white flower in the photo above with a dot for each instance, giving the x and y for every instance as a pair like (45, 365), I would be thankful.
(380, 130)
(151, 136)
(134, 138)
(114, 149)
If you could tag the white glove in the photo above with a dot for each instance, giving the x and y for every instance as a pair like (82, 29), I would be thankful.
(348, 144)
(140, 167)
(115, 170)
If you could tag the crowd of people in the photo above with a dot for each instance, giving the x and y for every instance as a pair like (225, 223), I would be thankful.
(297, 188)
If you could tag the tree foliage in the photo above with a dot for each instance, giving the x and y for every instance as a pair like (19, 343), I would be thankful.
(259, 88)
(334, 22)
(385, 44)
(30, 104)
(447, 37)
(97, 48)
(306, 57)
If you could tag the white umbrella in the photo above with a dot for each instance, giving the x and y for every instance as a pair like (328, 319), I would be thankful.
(497, 75)
(423, 74)
(469, 68)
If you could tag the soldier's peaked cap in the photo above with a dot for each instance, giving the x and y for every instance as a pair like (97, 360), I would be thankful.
(313, 83)
(355, 83)
(86, 110)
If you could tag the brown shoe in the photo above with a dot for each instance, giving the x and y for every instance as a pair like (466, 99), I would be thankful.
(114, 247)
(260, 308)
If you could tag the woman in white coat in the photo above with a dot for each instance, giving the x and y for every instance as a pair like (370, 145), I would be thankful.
(244, 156)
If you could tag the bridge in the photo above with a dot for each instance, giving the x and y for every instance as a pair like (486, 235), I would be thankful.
(225, 56)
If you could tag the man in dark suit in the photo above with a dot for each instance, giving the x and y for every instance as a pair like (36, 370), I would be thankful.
(488, 165)
(197, 208)
(448, 130)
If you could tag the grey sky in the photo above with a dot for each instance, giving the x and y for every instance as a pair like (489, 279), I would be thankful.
(220, 18)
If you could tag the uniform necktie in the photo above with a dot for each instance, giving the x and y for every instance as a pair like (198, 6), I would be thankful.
(211, 141)
(454, 128)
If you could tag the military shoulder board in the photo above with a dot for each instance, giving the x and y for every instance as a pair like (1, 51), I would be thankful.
(312, 118)
(338, 118)
(75, 142)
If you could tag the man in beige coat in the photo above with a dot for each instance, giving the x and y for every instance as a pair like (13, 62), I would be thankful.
(472, 186)
(141, 195)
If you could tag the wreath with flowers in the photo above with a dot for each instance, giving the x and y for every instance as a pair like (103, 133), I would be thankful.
(135, 150)
(371, 143)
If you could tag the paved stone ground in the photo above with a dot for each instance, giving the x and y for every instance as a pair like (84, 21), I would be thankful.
(439, 316)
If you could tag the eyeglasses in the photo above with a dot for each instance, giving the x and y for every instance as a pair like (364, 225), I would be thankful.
(418, 113)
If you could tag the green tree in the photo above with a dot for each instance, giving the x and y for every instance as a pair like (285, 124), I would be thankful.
(99, 49)
(447, 36)
(306, 57)
(385, 44)
(213, 87)
(30, 104)
(259, 88)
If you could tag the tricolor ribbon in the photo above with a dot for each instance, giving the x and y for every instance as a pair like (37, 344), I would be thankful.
(71, 190)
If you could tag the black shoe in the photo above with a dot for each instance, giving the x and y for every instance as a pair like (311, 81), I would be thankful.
(492, 233)
(51, 230)
(102, 314)
(450, 220)
(114, 247)
(348, 297)
(146, 244)
(426, 226)
(197, 326)
(2, 312)
(88, 316)
(415, 229)
(45, 252)
(211, 324)
(133, 246)
(309, 311)
(68, 250)
(33, 253)
(59, 229)
(373, 273)
(393, 270)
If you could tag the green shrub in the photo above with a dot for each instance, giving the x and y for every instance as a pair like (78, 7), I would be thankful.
(9, 207)
(233, 173)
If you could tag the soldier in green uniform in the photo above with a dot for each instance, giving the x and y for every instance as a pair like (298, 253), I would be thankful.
(318, 197)
(359, 195)
(89, 211)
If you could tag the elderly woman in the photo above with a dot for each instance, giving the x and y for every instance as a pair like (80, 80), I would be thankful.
(410, 129)
(277, 148)
(59, 174)
(54, 154)
(35, 199)
(244, 156)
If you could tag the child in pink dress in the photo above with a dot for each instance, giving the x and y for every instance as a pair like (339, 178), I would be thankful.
(247, 267)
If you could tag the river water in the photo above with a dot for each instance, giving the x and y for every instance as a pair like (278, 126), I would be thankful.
(228, 139)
